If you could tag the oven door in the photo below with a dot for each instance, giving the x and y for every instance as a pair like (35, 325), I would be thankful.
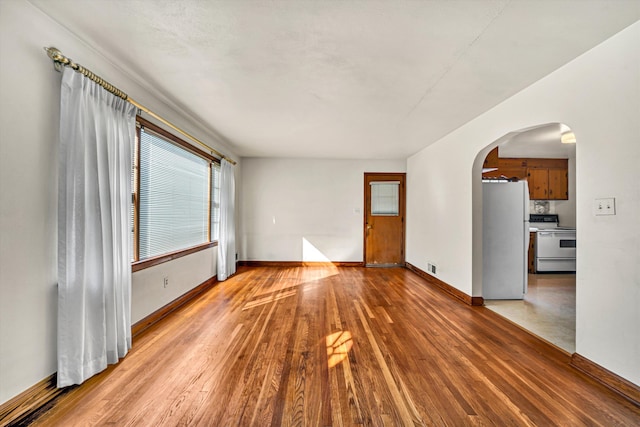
(556, 244)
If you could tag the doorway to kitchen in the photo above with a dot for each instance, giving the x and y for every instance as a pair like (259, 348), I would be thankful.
(543, 159)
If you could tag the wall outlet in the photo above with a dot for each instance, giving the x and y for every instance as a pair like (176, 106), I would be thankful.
(431, 268)
(604, 206)
(166, 281)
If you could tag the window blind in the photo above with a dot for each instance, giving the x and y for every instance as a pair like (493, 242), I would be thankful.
(215, 201)
(385, 198)
(174, 197)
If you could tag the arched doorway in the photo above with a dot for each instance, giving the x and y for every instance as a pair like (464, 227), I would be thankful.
(548, 307)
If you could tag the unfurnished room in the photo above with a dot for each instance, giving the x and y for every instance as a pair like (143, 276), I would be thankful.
(319, 213)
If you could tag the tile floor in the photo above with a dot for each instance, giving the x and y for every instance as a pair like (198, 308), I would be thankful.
(548, 309)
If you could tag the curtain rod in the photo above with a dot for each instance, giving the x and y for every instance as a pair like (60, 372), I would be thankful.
(59, 60)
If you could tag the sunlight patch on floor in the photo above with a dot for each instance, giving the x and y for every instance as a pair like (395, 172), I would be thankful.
(338, 346)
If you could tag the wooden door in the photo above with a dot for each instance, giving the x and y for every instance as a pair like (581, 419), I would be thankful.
(384, 225)
(558, 184)
(538, 184)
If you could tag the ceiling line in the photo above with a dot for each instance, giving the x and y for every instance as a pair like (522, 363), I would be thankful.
(453, 63)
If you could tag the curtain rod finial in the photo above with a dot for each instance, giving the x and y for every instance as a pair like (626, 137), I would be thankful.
(53, 52)
(56, 56)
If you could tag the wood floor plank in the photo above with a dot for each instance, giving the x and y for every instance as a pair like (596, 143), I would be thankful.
(338, 346)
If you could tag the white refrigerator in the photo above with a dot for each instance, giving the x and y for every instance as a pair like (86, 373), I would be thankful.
(505, 239)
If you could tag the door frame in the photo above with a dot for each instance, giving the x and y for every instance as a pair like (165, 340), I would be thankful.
(402, 177)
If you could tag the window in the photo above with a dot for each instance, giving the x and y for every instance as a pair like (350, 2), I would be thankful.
(215, 201)
(385, 199)
(176, 195)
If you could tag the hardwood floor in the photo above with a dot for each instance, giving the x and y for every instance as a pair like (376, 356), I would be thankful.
(332, 346)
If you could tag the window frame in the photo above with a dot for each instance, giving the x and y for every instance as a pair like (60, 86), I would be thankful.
(140, 264)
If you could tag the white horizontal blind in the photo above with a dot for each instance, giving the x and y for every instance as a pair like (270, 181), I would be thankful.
(215, 201)
(174, 197)
(385, 198)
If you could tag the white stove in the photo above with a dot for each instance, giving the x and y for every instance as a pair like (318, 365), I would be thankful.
(555, 246)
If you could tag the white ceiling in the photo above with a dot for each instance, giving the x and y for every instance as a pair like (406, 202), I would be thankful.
(543, 141)
(338, 79)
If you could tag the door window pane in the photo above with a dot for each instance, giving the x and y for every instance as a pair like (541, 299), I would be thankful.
(385, 199)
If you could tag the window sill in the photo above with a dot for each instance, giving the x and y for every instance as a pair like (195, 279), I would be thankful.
(150, 262)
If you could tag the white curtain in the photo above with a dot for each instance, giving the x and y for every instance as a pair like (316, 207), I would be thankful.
(227, 238)
(97, 133)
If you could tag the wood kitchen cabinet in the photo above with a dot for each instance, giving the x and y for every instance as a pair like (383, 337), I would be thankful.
(491, 161)
(508, 173)
(548, 183)
(538, 183)
(508, 168)
(559, 184)
(532, 252)
(548, 178)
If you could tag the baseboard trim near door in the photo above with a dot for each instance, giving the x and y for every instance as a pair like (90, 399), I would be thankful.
(300, 264)
(454, 292)
(623, 387)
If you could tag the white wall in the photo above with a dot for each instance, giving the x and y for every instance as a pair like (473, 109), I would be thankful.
(29, 114)
(598, 96)
(148, 292)
(287, 200)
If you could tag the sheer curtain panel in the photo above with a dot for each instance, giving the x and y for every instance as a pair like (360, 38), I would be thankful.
(97, 132)
(227, 233)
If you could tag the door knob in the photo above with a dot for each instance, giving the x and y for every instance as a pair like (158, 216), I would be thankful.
(369, 227)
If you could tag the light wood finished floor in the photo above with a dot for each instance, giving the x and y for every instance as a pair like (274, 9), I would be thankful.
(331, 346)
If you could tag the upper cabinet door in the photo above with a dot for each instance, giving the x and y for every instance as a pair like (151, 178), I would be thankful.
(538, 184)
(558, 184)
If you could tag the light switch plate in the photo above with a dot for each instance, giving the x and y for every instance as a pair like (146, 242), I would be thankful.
(604, 206)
